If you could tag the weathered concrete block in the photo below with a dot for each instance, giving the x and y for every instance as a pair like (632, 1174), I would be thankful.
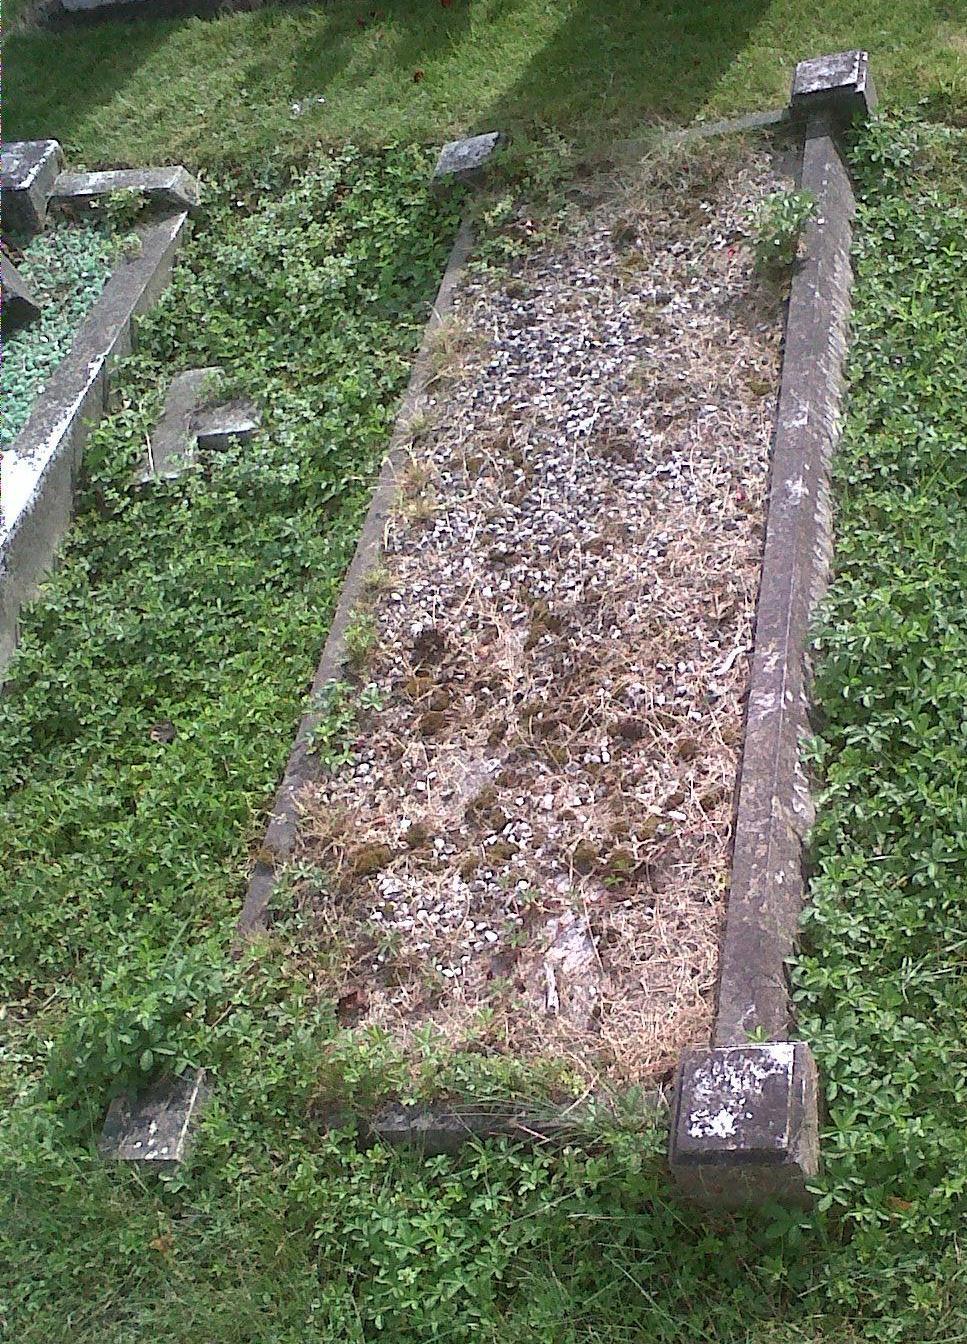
(216, 426)
(171, 446)
(18, 305)
(745, 1126)
(28, 171)
(465, 158)
(838, 85)
(171, 188)
(187, 425)
(156, 1126)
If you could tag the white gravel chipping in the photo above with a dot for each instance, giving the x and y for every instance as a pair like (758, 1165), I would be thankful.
(531, 848)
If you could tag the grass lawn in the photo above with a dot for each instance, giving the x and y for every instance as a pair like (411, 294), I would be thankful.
(210, 92)
(205, 604)
(123, 860)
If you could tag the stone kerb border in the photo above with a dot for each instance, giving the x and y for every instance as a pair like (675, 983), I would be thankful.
(280, 834)
(40, 468)
(745, 1125)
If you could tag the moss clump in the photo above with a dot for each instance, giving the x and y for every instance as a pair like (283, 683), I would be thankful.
(585, 858)
(369, 859)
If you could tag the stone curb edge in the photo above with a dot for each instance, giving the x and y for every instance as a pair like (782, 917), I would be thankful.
(281, 830)
(745, 1128)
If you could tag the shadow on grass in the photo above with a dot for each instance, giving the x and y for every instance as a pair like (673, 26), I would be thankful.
(205, 92)
(609, 69)
(52, 80)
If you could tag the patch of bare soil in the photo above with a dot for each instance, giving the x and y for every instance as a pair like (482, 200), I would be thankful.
(530, 850)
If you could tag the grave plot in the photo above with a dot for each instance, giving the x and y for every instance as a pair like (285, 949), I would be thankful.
(85, 254)
(526, 853)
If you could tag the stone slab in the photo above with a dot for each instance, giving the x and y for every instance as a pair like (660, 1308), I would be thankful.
(40, 468)
(18, 304)
(171, 446)
(774, 810)
(216, 427)
(436, 1130)
(745, 1126)
(838, 85)
(28, 171)
(463, 159)
(171, 188)
(155, 1127)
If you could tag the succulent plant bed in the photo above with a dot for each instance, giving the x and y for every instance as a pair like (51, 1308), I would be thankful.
(66, 268)
(527, 852)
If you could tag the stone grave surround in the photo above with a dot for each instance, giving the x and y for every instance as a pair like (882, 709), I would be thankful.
(744, 1122)
(32, 180)
(40, 467)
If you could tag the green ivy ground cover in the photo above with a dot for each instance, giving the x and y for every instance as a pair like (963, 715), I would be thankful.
(201, 603)
(65, 268)
(278, 1232)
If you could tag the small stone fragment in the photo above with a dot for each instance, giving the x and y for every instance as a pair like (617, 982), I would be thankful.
(462, 159)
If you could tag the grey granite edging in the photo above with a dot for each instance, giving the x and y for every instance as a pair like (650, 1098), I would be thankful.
(281, 831)
(774, 806)
(166, 188)
(746, 1123)
(40, 468)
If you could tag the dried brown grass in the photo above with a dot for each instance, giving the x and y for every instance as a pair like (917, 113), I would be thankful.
(532, 853)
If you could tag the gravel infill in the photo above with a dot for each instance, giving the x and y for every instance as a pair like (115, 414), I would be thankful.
(530, 849)
(66, 268)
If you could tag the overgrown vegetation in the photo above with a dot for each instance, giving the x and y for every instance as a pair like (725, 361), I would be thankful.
(198, 606)
(125, 855)
(883, 988)
(230, 88)
(780, 223)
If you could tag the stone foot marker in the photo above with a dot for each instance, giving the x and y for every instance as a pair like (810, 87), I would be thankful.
(156, 1126)
(744, 1128)
(28, 171)
(187, 425)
